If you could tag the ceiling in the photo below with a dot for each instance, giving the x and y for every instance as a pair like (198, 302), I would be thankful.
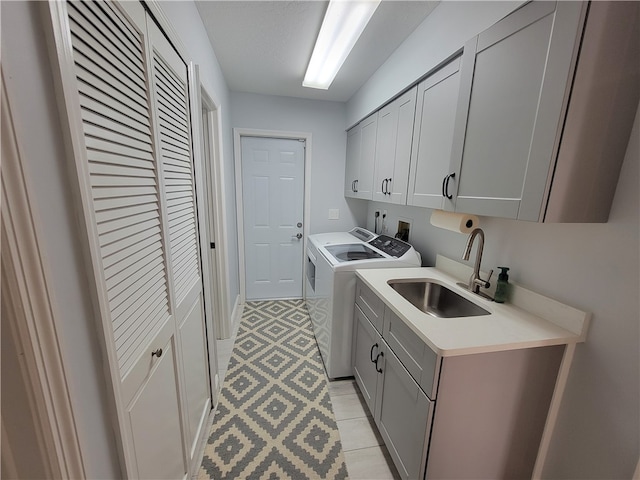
(264, 46)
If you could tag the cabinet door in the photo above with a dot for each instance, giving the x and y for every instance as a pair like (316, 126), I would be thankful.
(354, 136)
(364, 185)
(433, 137)
(393, 149)
(403, 416)
(514, 87)
(366, 346)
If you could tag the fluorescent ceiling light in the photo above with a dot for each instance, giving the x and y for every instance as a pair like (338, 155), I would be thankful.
(343, 23)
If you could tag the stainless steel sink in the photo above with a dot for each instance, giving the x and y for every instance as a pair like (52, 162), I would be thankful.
(436, 299)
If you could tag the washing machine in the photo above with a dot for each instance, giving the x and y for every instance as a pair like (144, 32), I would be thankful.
(332, 261)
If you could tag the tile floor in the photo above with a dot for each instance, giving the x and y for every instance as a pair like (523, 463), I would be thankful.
(365, 455)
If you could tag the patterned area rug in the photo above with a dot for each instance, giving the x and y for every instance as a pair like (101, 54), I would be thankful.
(274, 419)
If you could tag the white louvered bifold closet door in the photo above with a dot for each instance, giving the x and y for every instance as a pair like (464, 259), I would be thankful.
(125, 95)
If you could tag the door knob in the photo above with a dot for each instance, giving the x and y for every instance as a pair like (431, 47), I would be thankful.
(297, 235)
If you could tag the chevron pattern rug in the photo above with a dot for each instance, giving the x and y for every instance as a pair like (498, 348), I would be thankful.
(274, 419)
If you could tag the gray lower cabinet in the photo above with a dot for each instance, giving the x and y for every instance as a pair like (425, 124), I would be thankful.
(467, 416)
(366, 348)
(403, 414)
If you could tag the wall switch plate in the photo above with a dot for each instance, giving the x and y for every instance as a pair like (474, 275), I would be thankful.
(334, 214)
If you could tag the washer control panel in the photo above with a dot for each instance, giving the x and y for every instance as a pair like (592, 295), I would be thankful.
(390, 246)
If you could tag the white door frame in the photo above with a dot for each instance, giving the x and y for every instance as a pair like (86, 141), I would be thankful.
(213, 171)
(237, 153)
(32, 322)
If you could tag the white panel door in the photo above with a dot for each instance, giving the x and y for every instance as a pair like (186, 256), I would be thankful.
(273, 200)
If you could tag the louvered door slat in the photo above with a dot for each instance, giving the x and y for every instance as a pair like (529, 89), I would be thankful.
(112, 107)
(124, 222)
(118, 181)
(170, 99)
(93, 12)
(148, 292)
(125, 242)
(110, 237)
(108, 48)
(100, 118)
(123, 284)
(166, 115)
(172, 87)
(97, 168)
(122, 137)
(174, 138)
(124, 255)
(89, 67)
(123, 212)
(119, 21)
(119, 149)
(127, 269)
(151, 271)
(97, 157)
(126, 96)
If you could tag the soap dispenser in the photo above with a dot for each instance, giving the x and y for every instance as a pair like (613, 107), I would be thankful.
(502, 287)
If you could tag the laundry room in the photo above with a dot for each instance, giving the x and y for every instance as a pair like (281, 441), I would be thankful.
(211, 270)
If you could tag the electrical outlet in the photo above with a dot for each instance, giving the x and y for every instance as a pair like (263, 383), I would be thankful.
(334, 214)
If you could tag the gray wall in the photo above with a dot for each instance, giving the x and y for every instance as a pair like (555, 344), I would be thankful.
(594, 267)
(326, 123)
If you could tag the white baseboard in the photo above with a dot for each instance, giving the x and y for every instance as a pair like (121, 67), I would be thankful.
(236, 315)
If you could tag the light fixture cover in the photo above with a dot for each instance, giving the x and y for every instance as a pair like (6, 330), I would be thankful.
(343, 24)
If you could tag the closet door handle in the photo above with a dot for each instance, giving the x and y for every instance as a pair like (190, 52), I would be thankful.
(381, 354)
(157, 353)
(373, 360)
(445, 185)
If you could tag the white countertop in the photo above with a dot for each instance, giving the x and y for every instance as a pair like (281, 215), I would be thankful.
(507, 327)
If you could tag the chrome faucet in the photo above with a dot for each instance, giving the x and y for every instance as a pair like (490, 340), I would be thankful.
(475, 282)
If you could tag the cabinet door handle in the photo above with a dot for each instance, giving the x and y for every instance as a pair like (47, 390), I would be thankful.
(157, 353)
(384, 186)
(388, 182)
(381, 354)
(445, 185)
(373, 360)
(356, 182)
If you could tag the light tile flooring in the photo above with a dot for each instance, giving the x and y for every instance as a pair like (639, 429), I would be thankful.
(365, 455)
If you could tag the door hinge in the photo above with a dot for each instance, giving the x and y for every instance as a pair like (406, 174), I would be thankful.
(213, 244)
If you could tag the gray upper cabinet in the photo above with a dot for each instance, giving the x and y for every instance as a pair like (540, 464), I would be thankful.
(393, 149)
(530, 123)
(437, 100)
(354, 137)
(361, 150)
(515, 78)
